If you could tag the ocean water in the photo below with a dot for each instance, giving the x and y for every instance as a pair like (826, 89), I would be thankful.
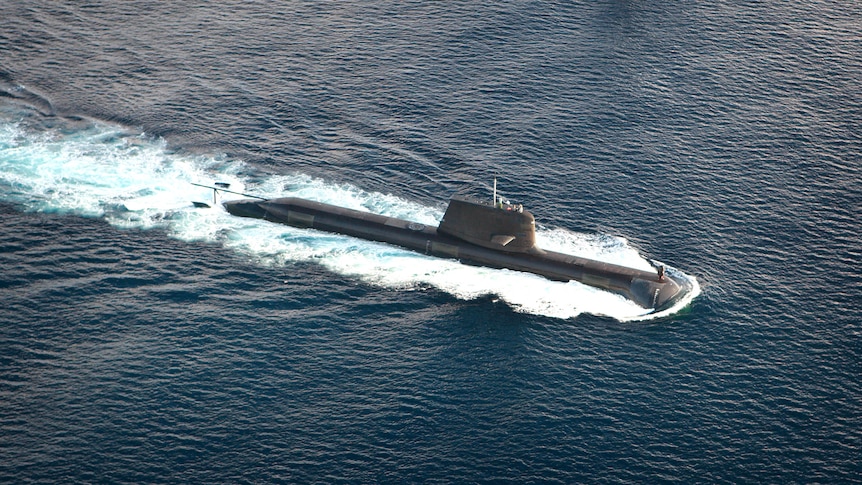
(143, 340)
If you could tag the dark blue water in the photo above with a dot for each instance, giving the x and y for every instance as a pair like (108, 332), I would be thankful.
(145, 341)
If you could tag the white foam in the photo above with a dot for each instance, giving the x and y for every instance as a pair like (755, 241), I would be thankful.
(134, 181)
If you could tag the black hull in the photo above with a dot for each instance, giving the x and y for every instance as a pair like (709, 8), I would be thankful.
(645, 288)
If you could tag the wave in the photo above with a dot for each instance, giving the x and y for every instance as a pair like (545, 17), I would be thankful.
(18, 94)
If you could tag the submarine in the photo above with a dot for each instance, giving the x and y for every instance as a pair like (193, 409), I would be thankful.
(498, 234)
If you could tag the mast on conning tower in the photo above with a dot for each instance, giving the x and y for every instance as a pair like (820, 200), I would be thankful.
(494, 202)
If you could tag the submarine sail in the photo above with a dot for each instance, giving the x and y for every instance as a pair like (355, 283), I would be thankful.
(496, 235)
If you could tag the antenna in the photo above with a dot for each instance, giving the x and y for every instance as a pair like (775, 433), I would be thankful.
(222, 187)
(494, 202)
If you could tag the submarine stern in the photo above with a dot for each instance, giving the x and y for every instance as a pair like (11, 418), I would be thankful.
(245, 208)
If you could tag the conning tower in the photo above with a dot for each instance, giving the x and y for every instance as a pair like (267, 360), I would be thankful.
(501, 226)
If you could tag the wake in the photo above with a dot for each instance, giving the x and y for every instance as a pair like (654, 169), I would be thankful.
(133, 181)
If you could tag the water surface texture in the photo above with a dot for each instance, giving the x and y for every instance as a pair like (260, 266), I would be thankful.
(145, 341)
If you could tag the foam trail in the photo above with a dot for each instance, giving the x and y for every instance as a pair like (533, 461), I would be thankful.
(134, 181)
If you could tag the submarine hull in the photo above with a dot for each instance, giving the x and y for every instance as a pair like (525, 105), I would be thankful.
(647, 289)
